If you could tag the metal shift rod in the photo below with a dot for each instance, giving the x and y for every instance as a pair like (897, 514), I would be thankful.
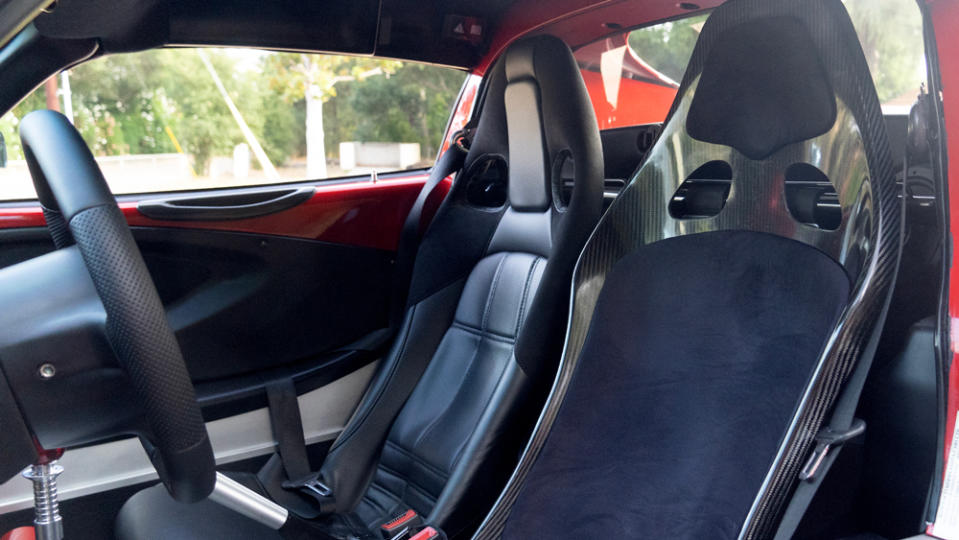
(47, 523)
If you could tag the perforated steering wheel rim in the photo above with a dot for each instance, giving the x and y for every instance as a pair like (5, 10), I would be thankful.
(71, 188)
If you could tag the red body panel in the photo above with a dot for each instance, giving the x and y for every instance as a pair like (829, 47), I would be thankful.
(639, 102)
(463, 110)
(364, 214)
(20, 533)
(577, 22)
(945, 16)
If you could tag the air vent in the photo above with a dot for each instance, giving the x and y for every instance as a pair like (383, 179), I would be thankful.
(703, 194)
(487, 182)
(811, 198)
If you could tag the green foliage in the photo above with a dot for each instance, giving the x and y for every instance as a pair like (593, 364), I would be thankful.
(891, 36)
(668, 46)
(890, 32)
(124, 104)
(412, 105)
(10, 122)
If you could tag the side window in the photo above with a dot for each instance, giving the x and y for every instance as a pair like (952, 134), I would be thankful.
(182, 119)
(633, 76)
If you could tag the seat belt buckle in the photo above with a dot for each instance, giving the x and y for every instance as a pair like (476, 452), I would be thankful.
(401, 527)
(429, 533)
(311, 484)
(827, 439)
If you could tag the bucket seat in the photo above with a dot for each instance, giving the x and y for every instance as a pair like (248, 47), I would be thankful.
(724, 312)
(447, 414)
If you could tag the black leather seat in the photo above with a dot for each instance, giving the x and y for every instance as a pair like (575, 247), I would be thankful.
(445, 418)
(714, 323)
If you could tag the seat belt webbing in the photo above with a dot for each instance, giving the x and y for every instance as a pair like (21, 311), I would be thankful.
(450, 162)
(287, 427)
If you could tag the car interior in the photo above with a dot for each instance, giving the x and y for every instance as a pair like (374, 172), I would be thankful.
(724, 323)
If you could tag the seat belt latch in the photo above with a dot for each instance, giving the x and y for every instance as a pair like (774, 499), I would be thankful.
(428, 533)
(401, 527)
(311, 484)
(827, 439)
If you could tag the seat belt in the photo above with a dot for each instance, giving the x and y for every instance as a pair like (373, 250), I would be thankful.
(285, 419)
(449, 163)
(287, 426)
(842, 426)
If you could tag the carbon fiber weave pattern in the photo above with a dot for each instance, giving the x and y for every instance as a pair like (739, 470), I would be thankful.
(867, 243)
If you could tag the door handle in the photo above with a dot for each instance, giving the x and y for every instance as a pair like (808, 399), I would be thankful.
(228, 206)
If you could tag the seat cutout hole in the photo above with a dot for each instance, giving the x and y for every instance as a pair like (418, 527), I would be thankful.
(704, 192)
(811, 197)
(487, 182)
(563, 179)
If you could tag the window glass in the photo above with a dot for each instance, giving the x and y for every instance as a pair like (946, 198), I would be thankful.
(632, 78)
(179, 119)
(890, 32)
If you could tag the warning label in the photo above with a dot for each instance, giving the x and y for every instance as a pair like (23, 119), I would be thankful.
(463, 27)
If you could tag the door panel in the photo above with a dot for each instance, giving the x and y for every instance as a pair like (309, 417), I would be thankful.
(364, 213)
(240, 302)
(122, 463)
(288, 293)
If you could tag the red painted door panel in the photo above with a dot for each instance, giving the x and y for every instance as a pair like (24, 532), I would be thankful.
(368, 214)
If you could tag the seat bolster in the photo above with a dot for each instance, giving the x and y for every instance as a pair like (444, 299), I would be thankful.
(486, 461)
(352, 459)
(457, 416)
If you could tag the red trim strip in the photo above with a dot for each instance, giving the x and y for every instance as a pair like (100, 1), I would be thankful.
(20, 533)
(426, 534)
(363, 214)
(410, 514)
(945, 17)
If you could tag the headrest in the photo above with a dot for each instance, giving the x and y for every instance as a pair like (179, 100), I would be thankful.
(763, 87)
(549, 119)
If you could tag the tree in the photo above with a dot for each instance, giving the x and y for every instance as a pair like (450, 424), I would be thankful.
(413, 104)
(668, 46)
(890, 32)
(124, 103)
(313, 78)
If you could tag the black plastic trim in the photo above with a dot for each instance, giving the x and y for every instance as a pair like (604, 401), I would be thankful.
(236, 395)
(226, 206)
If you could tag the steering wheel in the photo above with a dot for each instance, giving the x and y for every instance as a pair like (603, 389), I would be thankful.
(78, 204)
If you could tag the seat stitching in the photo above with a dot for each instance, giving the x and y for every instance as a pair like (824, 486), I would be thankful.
(398, 474)
(385, 491)
(482, 333)
(459, 385)
(407, 485)
(421, 491)
(408, 481)
(459, 451)
(413, 456)
(344, 437)
(525, 298)
(492, 291)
